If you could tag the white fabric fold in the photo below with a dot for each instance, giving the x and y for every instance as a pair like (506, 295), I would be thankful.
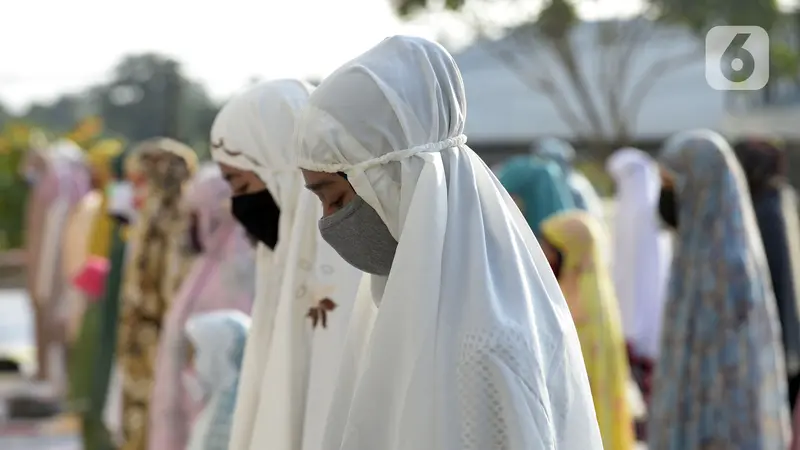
(642, 252)
(283, 377)
(472, 346)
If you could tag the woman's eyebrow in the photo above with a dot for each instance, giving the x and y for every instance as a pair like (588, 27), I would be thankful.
(317, 186)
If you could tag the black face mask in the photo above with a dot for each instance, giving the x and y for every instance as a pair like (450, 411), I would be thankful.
(195, 243)
(259, 214)
(668, 208)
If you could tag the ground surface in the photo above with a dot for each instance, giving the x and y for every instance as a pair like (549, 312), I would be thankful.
(16, 340)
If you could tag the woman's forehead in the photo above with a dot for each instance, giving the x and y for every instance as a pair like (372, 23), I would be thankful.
(319, 181)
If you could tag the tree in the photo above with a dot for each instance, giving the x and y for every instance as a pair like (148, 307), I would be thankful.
(5, 115)
(150, 96)
(598, 98)
(59, 115)
(14, 139)
(700, 15)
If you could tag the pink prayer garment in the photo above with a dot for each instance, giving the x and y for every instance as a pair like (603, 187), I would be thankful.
(222, 277)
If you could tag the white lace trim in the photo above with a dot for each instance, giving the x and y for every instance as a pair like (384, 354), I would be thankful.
(483, 424)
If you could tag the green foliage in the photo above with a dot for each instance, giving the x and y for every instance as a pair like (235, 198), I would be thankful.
(596, 174)
(148, 95)
(784, 61)
(702, 14)
(13, 188)
(557, 19)
(407, 8)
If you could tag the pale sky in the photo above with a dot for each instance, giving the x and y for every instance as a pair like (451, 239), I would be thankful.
(55, 46)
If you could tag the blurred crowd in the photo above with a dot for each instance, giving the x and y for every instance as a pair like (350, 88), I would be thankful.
(218, 305)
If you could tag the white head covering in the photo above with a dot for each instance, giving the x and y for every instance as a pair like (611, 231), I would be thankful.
(641, 259)
(284, 359)
(219, 339)
(473, 346)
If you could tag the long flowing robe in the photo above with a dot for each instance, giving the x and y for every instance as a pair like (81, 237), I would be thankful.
(98, 433)
(467, 343)
(775, 203)
(158, 265)
(218, 339)
(222, 277)
(287, 384)
(589, 291)
(720, 378)
(62, 181)
(75, 255)
(641, 258)
(97, 244)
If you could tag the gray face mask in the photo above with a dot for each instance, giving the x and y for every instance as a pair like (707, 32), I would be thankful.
(360, 237)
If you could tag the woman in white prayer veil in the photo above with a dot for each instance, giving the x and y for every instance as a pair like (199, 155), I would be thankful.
(466, 341)
(304, 292)
(642, 256)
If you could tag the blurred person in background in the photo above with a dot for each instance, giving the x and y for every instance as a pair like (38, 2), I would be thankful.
(539, 188)
(462, 338)
(217, 340)
(59, 179)
(92, 230)
(641, 259)
(102, 421)
(305, 291)
(160, 170)
(586, 283)
(222, 277)
(720, 380)
(583, 193)
(74, 256)
(775, 203)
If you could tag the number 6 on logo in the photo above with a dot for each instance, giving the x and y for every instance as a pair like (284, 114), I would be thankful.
(737, 58)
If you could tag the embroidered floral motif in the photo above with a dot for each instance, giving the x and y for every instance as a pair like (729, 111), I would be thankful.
(319, 314)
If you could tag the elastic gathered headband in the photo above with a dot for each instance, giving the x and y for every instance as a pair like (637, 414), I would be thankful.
(398, 155)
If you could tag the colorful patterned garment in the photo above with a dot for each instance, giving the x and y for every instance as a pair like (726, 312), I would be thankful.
(720, 379)
(218, 339)
(97, 244)
(60, 179)
(589, 292)
(97, 433)
(222, 277)
(538, 186)
(159, 262)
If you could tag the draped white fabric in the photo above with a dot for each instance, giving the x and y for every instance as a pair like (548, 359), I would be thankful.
(642, 252)
(285, 359)
(468, 343)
